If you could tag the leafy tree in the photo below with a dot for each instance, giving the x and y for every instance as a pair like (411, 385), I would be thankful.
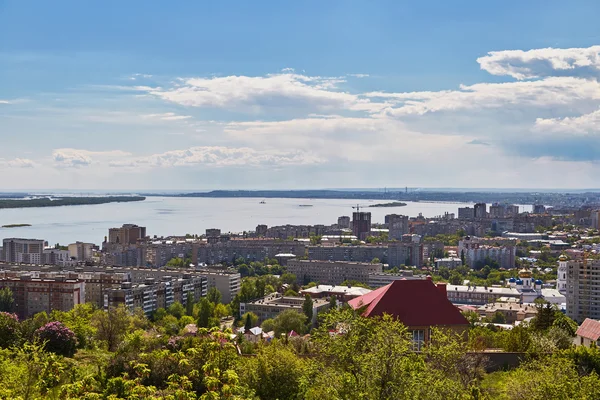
(456, 278)
(375, 261)
(214, 295)
(288, 321)
(291, 293)
(332, 302)
(250, 318)
(268, 325)
(189, 304)
(307, 309)
(57, 338)
(498, 318)
(222, 311)
(111, 326)
(247, 322)
(205, 313)
(7, 300)
(9, 329)
(288, 278)
(177, 310)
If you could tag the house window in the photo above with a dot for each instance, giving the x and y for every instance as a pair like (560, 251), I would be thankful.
(418, 338)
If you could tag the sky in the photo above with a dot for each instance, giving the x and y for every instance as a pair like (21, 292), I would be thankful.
(187, 95)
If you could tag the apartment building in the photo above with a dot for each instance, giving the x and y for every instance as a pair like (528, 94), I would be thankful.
(476, 252)
(348, 253)
(480, 295)
(397, 225)
(154, 294)
(583, 289)
(127, 234)
(80, 251)
(274, 304)
(248, 249)
(407, 252)
(384, 278)
(26, 251)
(56, 257)
(331, 272)
(361, 224)
(466, 213)
(33, 295)
(228, 283)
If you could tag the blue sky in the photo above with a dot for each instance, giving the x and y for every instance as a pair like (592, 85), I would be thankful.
(198, 95)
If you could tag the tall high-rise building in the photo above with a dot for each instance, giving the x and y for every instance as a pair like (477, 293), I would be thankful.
(480, 210)
(26, 251)
(343, 222)
(583, 289)
(127, 234)
(81, 251)
(466, 212)
(397, 225)
(361, 224)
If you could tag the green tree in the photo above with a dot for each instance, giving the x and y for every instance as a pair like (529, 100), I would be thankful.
(189, 304)
(498, 318)
(307, 309)
(177, 310)
(250, 318)
(456, 278)
(205, 313)
(214, 295)
(268, 325)
(288, 321)
(375, 261)
(248, 322)
(288, 278)
(332, 302)
(111, 326)
(7, 300)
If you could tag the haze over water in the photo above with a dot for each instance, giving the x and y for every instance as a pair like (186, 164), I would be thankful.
(177, 216)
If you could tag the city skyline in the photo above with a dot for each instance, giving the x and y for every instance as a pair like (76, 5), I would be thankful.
(280, 96)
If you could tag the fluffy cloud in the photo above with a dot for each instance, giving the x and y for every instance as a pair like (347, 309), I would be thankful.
(549, 92)
(5, 102)
(169, 116)
(218, 156)
(256, 93)
(536, 63)
(582, 125)
(17, 163)
(75, 158)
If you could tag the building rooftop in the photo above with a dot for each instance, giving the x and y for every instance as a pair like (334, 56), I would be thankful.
(483, 289)
(590, 329)
(413, 302)
(347, 290)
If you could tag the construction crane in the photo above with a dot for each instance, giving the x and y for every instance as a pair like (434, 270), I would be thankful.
(357, 207)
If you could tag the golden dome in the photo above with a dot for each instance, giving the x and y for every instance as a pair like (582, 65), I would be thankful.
(524, 273)
(563, 258)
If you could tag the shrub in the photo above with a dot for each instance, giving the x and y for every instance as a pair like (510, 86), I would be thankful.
(58, 338)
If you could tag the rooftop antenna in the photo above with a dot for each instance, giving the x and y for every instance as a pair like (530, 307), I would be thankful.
(357, 207)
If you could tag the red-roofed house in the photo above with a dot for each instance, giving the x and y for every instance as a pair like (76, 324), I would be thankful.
(588, 333)
(419, 304)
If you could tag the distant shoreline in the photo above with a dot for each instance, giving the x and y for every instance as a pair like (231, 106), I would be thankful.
(66, 201)
(15, 225)
(393, 204)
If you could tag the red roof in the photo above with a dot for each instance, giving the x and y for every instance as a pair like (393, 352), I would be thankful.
(590, 329)
(414, 302)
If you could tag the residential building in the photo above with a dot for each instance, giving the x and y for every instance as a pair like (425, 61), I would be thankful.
(539, 209)
(583, 289)
(261, 230)
(595, 218)
(397, 225)
(248, 249)
(512, 311)
(343, 222)
(331, 272)
(341, 293)
(33, 295)
(466, 213)
(480, 210)
(480, 295)
(228, 283)
(448, 262)
(588, 333)
(364, 253)
(419, 304)
(127, 234)
(56, 257)
(477, 253)
(80, 251)
(25, 251)
(272, 305)
(361, 224)
(385, 278)
(154, 294)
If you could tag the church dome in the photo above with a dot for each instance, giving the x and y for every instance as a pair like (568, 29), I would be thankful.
(519, 282)
(538, 282)
(512, 280)
(524, 273)
(563, 258)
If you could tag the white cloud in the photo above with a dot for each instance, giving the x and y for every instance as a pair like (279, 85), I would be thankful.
(582, 125)
(169, 116)
(18, 163)
(5, 102)
(271, 92)
(537, 63)
(549, 92)
(74, 158)
(219, 156)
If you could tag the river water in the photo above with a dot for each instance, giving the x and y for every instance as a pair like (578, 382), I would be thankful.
(177, 216)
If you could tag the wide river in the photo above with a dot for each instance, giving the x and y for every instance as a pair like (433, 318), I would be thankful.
(177, 216)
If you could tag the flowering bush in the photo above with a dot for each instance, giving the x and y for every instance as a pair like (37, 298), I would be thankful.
(9, 329)
(57, 338)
